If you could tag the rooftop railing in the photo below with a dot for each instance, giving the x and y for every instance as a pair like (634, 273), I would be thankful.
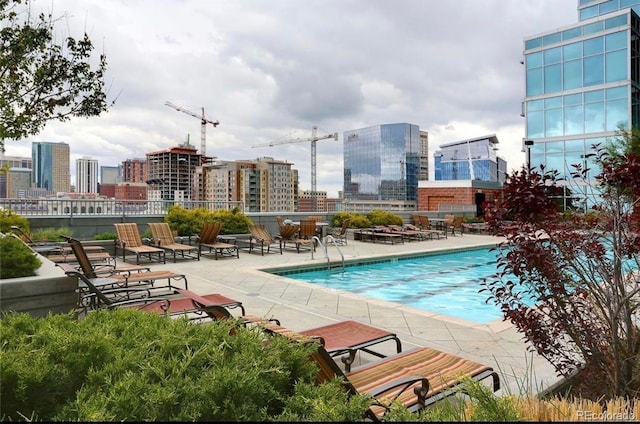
(106, 207)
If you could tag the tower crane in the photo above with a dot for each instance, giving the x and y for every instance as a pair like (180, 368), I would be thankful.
(203, 125)
(313, 140)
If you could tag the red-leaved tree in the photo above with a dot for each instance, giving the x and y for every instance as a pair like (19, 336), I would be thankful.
(568, 279)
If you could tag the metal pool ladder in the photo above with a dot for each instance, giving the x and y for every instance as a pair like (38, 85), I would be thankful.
(324, 249)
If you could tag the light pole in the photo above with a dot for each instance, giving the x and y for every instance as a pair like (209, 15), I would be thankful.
(528, 143)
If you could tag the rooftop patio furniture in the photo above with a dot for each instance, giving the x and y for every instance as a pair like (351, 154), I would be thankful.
(305, 235)
(129, 241)
(261, 237)
(340, 234)
(208, 239)
(164, 239)
(455, 225)
(133, 277)
(416, 378)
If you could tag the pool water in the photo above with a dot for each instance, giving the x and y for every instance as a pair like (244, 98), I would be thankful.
(446, 283)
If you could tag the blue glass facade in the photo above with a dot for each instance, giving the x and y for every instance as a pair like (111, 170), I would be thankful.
(473, 159)
(42, 157)
(581, 87)
(381, 162)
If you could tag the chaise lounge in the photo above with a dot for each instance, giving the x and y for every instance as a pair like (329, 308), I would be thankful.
(129, 241)
(163, 238)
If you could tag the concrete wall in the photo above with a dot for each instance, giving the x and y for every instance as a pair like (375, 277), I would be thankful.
(51, 291)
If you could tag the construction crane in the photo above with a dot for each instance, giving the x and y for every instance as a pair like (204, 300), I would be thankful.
(313, 140)
(203, 126)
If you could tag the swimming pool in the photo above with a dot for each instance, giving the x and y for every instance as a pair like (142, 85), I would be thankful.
(446, 283)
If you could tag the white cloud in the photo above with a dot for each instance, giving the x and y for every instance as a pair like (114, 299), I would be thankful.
(271, 70)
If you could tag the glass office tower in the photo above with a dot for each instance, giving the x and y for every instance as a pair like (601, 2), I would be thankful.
(382, 162)
(581, 87)
(51, 169)
(473, 159)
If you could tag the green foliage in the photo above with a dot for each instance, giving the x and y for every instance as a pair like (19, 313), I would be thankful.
(190, 221)
(137, 366)
(16, 259)
(51, 234)
(105, 236)
(9, 218)
(380, 217)
(42, 80)
(357, 220)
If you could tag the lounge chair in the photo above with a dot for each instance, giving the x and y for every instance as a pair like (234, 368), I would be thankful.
(305, 235)
(455, 225)
(208, 239)
(407, 234)
(133, 277)
(345, 338)
(340, 235)
(425, 225)
(163, 238)
(261, 237)
(288, 234)
(415, 378)
(171, 301)
(129, 240)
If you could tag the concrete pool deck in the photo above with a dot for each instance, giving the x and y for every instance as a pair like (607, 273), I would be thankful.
(299, 306)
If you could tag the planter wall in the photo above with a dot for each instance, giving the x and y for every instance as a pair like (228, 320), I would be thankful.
(51, 291)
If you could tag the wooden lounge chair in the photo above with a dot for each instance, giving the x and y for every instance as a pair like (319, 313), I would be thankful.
(425, 225)
(261, 237)
(129, 241)
(415, 378)
(208, 239)
(305, 235)
(345, 338)
(128, 277)
(340, 236)
(456, 225)
(163, 238)
(288, 234)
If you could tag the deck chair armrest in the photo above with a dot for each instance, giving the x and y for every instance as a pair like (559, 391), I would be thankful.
(402, 384)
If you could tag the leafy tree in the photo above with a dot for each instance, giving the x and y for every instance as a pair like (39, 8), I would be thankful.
(41, 80)
(569, 281)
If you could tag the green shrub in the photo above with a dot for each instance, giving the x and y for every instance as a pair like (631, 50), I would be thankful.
(8, 218)
(190, 221)
(137, 366)
(357, 220)
(16, 259)
(105, 236)
(380, 217)
(51, 234)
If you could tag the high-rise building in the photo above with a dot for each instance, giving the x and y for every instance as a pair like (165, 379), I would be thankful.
(582, 85)
(110, 174)
(17, 169)
(263, 185)
(473, 159)
(51, 170)
(86, 175)
(134, 170)
(382, 164)
(171, 172)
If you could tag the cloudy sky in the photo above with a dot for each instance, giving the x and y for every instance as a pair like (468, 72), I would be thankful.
(269, 70)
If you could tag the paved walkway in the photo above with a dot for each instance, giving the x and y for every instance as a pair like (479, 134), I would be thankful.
(300, 306)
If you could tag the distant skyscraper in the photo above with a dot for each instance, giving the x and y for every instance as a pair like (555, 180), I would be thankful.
(86, 175)
(110, 174)
(51, 170)
(134, 171)
(382, 162)
(581, 84)
(474, 159)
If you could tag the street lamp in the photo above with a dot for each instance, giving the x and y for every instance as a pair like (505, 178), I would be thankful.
(528, 143)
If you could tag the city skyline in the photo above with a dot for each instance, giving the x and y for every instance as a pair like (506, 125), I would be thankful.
(269, 71)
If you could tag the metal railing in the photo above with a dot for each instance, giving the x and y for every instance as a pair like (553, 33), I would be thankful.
(106, 207)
